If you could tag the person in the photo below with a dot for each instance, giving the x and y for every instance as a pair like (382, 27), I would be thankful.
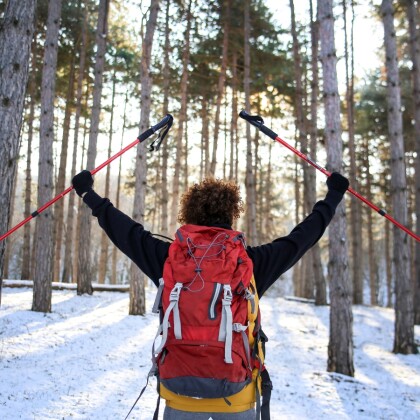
(214, 203)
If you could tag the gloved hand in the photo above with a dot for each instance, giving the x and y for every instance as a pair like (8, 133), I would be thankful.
(337, 182)
(82, 182)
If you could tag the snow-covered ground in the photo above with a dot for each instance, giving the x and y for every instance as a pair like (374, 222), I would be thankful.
(88, 359)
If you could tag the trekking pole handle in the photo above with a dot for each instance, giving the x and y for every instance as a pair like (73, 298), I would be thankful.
(167, 120)
(258, 122)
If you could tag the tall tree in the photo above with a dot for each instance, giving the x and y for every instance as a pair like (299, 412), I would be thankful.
(84, 269)
(61, 179)
(26, 249)
(414, 41)
(356, 210)
(137, 305)
(103, 255)
(251, 201)
(315, 252)
(165, 153)
(301, 126)
(16, 33)
(340, 346)
(69, 241)
(404, 311)
(182, 119)
(44, 238)
(221, 83)
(373, 281)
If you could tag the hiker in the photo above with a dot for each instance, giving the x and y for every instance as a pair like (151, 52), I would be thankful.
(212, 206)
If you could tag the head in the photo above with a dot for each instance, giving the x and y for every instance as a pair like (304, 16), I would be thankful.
(212, 201)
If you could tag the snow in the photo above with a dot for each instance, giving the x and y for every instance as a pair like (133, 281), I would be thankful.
(89, 359)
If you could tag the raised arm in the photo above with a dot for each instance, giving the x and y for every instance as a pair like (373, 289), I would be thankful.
(273, 259)
(147, 252)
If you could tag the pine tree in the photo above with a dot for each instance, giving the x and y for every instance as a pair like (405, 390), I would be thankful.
(340, 347)
(44, 243)
(15, 48)
(404, 311)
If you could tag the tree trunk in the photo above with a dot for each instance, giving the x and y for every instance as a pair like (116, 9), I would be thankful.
(301, 125)
(250, 176)
(15, 48)
(373, 280)
(388, 263)
(355, 207)
(221, 85)
(340, 346)
(84, 269)
(297, 269)
(44, 223)
(26, 272)
(117, 198)
(164, 228)
(404, 311)
(234, 120)
(205, 136)
(61, 181)
(413, 19)
(103, 255)
(315, 252)
(181, 121)
(137, 305)
(10, 245)
(68, 273)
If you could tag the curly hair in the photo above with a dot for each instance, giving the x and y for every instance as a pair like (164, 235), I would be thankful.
(212, 201)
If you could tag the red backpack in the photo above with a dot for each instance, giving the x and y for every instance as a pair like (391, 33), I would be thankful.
(209, 315)
(210, 345)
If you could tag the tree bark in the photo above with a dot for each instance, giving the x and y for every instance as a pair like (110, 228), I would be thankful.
(61, 181)
(373, 280)
(414, 42)
(181, 122)
(164, 226)
(355, 207)
(220, 86)
(234, 119)
(315, 252)
(103, 255)
(340, 346)
(68, 273)
(117, 198)
(301, 125)
(404, 312)
(137, 304)
(44, 238)
(84, 268)
(15, 48)
(251, 211)
(26, 272)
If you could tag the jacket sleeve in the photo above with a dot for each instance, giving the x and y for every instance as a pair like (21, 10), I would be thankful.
(147, 252)
(273, 259)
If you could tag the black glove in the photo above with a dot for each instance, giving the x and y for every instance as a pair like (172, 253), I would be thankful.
(337, 182)
(82, 182)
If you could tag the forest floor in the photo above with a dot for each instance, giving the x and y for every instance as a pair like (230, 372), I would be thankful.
(88, 359)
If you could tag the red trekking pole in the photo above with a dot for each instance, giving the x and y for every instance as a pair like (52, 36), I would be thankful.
(163, 125)
(258, 122)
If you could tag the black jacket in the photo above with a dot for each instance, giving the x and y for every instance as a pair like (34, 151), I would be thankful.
(270, 260)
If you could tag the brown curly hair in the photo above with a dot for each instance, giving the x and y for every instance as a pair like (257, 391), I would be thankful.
(211, 202)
